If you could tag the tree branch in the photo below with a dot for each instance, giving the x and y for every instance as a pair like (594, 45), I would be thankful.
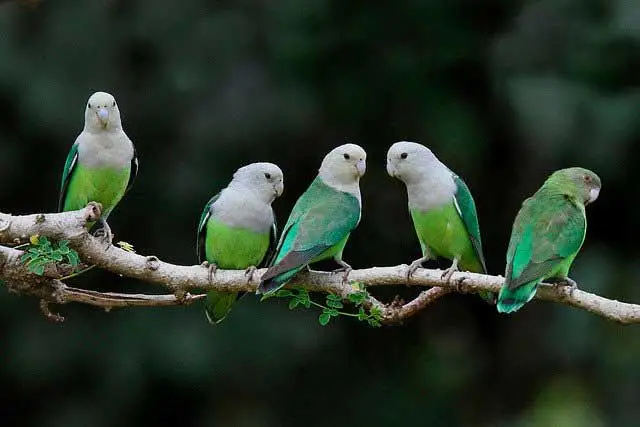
(179, 280)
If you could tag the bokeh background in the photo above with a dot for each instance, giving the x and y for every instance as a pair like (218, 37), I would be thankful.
(503, 91)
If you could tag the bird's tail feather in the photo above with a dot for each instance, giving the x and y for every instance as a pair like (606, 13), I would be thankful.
(273, 284)
(217, 305)
(511, 300)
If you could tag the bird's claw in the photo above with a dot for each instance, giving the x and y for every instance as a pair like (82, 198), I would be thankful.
(457, 286)
(212, 271)
(413, 267)
(564, 282)
(249, 272)
(104, 233)
(446, 274)
(345, 269)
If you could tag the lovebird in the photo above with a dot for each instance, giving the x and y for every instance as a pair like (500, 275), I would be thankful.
(237, 229)
(442, 208)
(102, 163)
(547, 235)
(322, 218)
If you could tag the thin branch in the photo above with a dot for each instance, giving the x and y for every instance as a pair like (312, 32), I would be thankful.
(180, 279)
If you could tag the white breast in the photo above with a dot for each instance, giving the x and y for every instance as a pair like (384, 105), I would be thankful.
(243, 210)
(105, 149)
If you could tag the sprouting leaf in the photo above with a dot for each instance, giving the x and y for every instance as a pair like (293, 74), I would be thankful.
(126, 246)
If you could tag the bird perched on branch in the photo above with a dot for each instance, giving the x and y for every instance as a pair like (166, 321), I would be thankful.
(547, 235)
(102, 163)
(443, 211)
(322, 218)
(237, 229)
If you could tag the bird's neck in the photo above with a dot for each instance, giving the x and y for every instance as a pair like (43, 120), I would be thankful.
(431, 191)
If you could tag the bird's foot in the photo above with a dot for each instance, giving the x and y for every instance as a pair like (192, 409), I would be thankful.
(446, 274)
(457, 285)
(212, 267)
(345, 269)
(413, 267)
(249, 272)
(564, 282)
(104, 233)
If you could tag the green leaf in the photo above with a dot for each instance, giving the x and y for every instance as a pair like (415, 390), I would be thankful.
(324, 318)
(334, 301)
(284, 293)
(293, 303)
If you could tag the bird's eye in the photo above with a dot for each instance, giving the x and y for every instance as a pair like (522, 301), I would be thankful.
(587, 179)
(404, 155)
(114, 104)
(89, 106)
(267, 175)
(346, 156)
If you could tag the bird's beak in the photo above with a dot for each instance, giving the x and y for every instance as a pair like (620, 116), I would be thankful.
(279, 187)
(593, 195)
(391, 169)
(103, 116)
(361, 167)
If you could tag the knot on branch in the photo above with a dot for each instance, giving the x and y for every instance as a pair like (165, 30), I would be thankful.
(4, 224)
(152, 263)
(93, 212)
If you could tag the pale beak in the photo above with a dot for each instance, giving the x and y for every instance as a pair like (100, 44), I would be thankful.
(361, 167)
(391, 169)
(103, 116)
(279, 187)
(593, 195)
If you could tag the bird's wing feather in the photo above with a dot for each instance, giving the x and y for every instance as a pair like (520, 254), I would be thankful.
(466, 208)
(134, 170)
(546, 231)
(202, 228)
(69, 166)
(273, 242)
(321, 218)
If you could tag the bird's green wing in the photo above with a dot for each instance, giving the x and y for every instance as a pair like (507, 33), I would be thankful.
(322, 218)
(133, 171)
(202, 228)
(547, 230)
(69, 166)
(273, 243)
(466, 208)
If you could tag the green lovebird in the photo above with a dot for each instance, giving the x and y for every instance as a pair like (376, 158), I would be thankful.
(443, 211)
(237, 228)
(322, 218)
(102, 163)
(547, 235)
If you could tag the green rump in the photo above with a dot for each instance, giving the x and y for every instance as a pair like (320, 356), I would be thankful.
(444, 234)
(103, 185)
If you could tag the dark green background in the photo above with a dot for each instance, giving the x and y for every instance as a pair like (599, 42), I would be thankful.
(504, 92)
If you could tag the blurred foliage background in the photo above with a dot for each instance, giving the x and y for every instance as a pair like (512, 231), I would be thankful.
(504, 92)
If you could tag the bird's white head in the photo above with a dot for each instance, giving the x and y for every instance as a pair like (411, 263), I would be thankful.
(102, 113)
(411, 162)
(266, 180)
(344, 166)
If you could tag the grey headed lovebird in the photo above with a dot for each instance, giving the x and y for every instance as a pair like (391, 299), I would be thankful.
(442, 208)
(102, 163)
(237, 229)
(547, 235)
(322, 218)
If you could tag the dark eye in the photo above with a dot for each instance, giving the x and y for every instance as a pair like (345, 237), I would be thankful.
(346, 156)
(114, 104)
(404, 155)
(89, 106)
(267, 175)
(587, 179)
